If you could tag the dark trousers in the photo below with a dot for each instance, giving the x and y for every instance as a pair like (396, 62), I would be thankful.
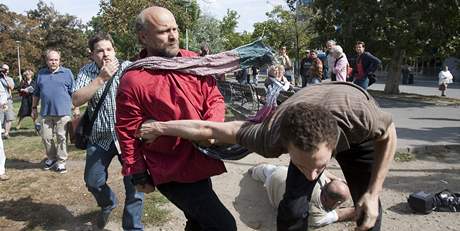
(200, 204)
(356, 164)
(333, 77)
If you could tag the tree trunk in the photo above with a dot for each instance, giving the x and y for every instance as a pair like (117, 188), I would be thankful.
(394, 72)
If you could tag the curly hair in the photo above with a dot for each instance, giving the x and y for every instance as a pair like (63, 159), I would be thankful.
(306, 126)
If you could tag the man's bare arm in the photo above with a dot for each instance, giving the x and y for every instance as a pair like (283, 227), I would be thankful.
(367, 206)
(224, 132)
(345, 214)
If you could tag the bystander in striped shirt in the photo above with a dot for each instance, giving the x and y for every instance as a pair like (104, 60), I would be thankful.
(103, 132)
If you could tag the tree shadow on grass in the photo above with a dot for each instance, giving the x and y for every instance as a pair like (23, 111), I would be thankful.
(36, 215)
(24, 132)
(22, 164)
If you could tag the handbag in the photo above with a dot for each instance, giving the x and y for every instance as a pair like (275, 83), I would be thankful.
(85, 125)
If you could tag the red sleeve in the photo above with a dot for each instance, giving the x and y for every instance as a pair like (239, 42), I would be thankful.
(214, 104)
(129, 118)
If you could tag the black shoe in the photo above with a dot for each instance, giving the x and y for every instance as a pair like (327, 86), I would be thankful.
(103, 218)
(446, 201)
(49, 164)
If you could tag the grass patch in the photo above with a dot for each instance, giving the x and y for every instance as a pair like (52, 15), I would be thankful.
(57, 201)
(404, 157)
(154, 211)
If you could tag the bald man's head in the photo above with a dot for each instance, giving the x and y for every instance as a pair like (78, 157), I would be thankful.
(336, 192)
(158, 32)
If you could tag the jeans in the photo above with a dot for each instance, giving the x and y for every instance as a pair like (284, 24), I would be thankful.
(363, 83)
(356, 164)
(96, 174)
(200, 204)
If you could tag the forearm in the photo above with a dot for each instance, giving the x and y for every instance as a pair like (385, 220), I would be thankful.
(345, 214)
(84, 94)
(384, 153)
(224, 132)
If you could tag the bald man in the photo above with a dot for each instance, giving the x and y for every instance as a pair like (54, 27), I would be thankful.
(328, 194)
(171, 164)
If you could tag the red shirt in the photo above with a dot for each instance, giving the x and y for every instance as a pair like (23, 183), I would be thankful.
(359, 69)
(166, 95)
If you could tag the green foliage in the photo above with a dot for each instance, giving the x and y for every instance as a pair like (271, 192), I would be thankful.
(206, 31)
(62, 32)
(282, 28)
(391, 29)
(41, 28)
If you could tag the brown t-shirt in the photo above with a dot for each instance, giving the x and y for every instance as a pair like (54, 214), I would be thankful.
(358, 116)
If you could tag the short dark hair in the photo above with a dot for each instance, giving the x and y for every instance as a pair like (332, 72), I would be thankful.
(306, 126)
(99, 36)
(360, 42)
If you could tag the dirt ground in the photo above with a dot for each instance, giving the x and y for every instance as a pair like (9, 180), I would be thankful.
(248, 202)
(41, 200)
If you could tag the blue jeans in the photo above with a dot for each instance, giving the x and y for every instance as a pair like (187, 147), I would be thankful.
(96, 174)
(363, 83)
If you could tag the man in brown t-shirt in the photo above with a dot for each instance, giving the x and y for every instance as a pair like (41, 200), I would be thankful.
(363, 136)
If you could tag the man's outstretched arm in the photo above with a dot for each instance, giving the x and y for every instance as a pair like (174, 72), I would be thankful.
(223, 132)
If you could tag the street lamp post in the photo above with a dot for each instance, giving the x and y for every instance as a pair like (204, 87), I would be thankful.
(186, 28)
(19, 60)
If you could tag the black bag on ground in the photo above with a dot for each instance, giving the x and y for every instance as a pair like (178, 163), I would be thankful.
(444, 201)
(85, 125)
(421, 202)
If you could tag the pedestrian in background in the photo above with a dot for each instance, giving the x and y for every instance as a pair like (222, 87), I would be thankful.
(366, 65)
(7, 116)
(445, 77)
(26, 90)
(53, 89)
(330, 60)
(316, 69)
(340, 66)
(3, 106)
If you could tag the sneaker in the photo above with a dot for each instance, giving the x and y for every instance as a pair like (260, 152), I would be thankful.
(4, 177)
(49, 164)
(61, 168)
(103, 218)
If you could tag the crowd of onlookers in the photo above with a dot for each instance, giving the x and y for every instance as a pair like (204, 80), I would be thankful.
(316, 66)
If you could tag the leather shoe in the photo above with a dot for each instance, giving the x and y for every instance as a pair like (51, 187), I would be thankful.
(103, 218)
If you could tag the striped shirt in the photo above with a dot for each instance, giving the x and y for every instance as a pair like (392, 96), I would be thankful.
(358, 116)
(103, 132)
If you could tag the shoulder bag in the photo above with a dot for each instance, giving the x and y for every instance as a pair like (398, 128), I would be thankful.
(85, 125)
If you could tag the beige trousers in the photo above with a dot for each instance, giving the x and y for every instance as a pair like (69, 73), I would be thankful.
(55, 127)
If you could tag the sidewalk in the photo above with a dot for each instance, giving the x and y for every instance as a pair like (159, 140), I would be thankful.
(422, 87)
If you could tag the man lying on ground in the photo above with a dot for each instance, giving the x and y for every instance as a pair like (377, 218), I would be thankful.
(328, 194)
